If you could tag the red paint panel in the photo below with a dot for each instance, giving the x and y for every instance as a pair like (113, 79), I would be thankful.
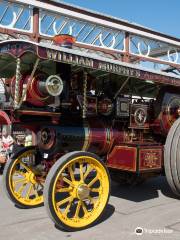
(123, 157)
(150, 158)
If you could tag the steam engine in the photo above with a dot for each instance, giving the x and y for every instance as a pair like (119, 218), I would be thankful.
(91, 117)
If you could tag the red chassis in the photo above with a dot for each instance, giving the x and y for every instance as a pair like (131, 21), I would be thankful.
(89, 114)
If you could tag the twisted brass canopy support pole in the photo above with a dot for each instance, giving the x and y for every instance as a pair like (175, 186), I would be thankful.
(29, 81)
(84, 108)
(17, 83)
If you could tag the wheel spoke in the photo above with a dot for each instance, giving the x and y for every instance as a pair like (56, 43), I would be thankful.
(16, 173)
(92, 200)
(28, 169)
(93, 181)
(15, 182)
(29, 191)
(67, 208)
(95, 190)
(68, 199)
(63, 190)
(89, 169)
(84, 207)
(71, 173)
(81, 171)
(68, 181)
(77, 209)
(20, 190)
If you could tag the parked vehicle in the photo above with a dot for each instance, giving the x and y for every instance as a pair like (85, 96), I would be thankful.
(96, 114)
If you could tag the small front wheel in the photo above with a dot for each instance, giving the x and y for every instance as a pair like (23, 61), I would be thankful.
(21, 181)
(77, 190)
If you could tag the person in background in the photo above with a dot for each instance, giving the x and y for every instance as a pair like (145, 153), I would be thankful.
(28, 139)
(2, 158)
(7, 142)
(7, 145)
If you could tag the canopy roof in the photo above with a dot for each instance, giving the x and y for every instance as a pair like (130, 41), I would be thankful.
(28, 51)
(106, 36)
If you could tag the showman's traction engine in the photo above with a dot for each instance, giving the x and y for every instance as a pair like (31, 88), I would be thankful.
(95, 110)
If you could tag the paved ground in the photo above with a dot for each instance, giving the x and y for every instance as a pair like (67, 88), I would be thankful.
(151, 206)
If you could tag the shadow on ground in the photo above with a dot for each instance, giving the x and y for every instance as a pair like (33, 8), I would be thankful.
(147, 190)
(109, 210)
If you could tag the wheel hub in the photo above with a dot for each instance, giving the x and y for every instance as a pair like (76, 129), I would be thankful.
(83, 192)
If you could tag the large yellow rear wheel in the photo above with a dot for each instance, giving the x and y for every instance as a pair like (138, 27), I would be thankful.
(21, 181)
(77, 190)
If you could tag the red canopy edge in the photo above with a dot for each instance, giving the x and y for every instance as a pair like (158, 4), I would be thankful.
(4, 118)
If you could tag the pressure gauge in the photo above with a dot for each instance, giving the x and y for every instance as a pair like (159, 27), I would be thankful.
(140, 116)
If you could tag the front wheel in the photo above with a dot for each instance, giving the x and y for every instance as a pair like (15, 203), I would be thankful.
(22, 182)
(77, 190)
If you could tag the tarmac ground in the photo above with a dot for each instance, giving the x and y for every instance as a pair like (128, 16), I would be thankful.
(150, 206)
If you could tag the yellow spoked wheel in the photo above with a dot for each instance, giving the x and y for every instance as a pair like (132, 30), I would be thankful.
(23, 184)
(77, 190)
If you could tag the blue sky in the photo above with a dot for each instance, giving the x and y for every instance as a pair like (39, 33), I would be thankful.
(160, 15)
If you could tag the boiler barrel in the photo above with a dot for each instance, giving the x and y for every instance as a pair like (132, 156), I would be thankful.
(93, 137)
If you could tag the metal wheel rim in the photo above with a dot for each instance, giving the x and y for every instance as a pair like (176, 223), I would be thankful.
(23, 184)
(97, 205)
